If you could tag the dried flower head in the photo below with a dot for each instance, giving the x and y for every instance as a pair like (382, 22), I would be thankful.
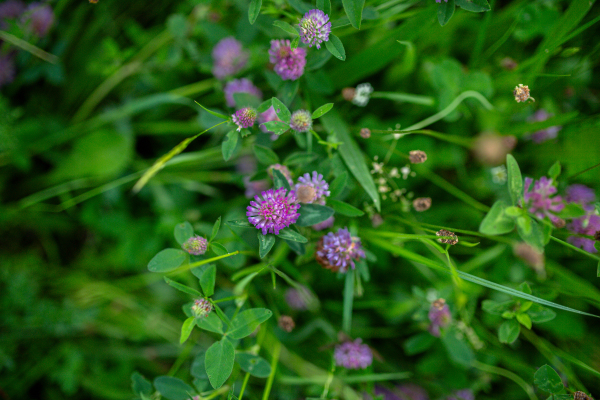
(301, 121)
(417, 156)
(195, 245)
(229, 58)
(337, 251)
(240, 86)
(530, 255)
(508, 63)
(452, 238)
(286, 323)
(365, 133)
(353, 355)
(328, 223)
(362, 94)
(581, 396)
(521, 93)
(586, 225)
(313, 185)
(288, 63)
(244, 118)
(543, 134)
(201, 308)
(348, 93)
(539, 200)
(315, 28)
(421, 204)
(559, 223)
(273, 210)
(491, 148)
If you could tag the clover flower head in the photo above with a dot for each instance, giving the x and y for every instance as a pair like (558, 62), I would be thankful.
(337, 251)
(39, 18)
(543, 134)
(229, 58)
(586, 225)
(201, 308)
(581, 194)
(297, 299)
(439, 316)
(273, 210)
(315, 28)
(286, 323)
(195, 245)
(316, 185)
(539, 200)
(522, 93)
(421, 204)
(7, 70)
(328, 223)
(451, 237)
(439, 1)
(288, 63)
(10, 9)
(244, 118)
(240, 86)
(301, 121)
(365, 133)
(362, 94)
(464, 394)
(353, 355)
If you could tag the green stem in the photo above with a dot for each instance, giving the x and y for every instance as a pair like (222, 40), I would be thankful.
(246, 379)
(274, 362)
(28, 47)
(577, 249)
(182, 357)
(585, 170)
(348, 299)
(507, 374)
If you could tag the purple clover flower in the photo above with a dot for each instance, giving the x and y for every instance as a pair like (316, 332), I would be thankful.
(289, 63)
(439, 315)
(464, 394)
(7, 69)
(297, 299)
(409, 391)
(38, 18)
(319, 187)
(328, 223)
(276, 210)
(539, 201)
(586, 225)
(10, 9)
(201, 308)
(315, 28)
(240, 86)
(353, 355)
(439, 1)
(581, 194)
(337, 251)
(544, 134)
(195, 245)
(229, 58)
(254, 188)
(267, 116)
(301, 121)
(244, 118)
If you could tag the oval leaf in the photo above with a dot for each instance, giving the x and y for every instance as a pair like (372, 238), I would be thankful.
(292, 235)
(219, 362)
(335, 46)
(311, 214)
(286, 27)
(140, 385)
(277, 127)
(300, 158)
(183, 232)
(345, 208)
(218, 249)
(514, 180)
(215, 229)
(325, 6)
(509, 331)
(445, 12)
(548, 380)
(211, 323)
(496, 222)
(254, 10)
(240, 223)
(280, 181)
(264, 155)
(354, 9)
(337, 186)
(173, 388)
(167, 260)
(247, 321)
(207, 280)
(265, 243)
(254, 365)
(474, 5)
(229, 143)
(186, 329)
(182, 288)
(281, 110)
(324, 109)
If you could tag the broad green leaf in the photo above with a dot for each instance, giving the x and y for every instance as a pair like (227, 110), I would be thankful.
(186, 329)
(348, 301)
(140, 385)
(183, 232)
(354, 10)
(219, 362)
(509, 331)
(265, 156)
(216, 114)
(291, 235)
(207, 280)
(211, 323)
(264, 106)
(418, 343)
(524, 320)
(286, 27)
(300, 158)
(265, 243)
(554, 171)
(530, 232)
(215, 229)
(167, 260)
(445, 11)
(474, 5)
(218, 248)
(496, 308)
(539, 314)
(240, 223)
(247, 321)
(295, 43)
(337, 185)
(572, 210)
(324, 109)
(514, 180)
(280, 181)
(325, 6)
(335, 47)
(300, 6)
(173, 388)
(344, 208)
(548, 380)
(298, 248)
(254, 10)
(457, 348)
(183, 288)
(311, 214)
(198, 370)
(277, 127)
(254, 365)
(281, 110)
(229, 144)
(288, 90)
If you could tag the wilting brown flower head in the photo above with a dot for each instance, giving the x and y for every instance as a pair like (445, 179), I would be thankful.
(348, 93)
(559, 223)
(491, 148)
(530, 255)
(286, 323)
(417, 156)
(421, 204)
(453, 239)
(581, 396)
(365, 133)
(306, 194)
(521, 93)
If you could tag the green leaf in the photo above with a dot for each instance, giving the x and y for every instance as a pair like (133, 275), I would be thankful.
(183, 232)
(183, 288)
(514, 180)
(324, 109)
(198, 370)
(247, 321)
(288, 91)
(264, 106)
(286, 27)
(212, 112)
(311, 214)
(418, 343)
(295, 43)
(474, 5)
(524, 320)
(525, 288)
(186, 329)
(445, 12)
(281, 110)
(243, 99)
(229, 143)
(530, 232)
(167, 260)
(215, 229)
(211, 323)
(363, 270)
(509, 331)
(277, 127)
(265, 243)
(325, 6)
(572, 210)
(354, 10)
(240, 223)
(265, 156)
(140, 385)
(495, 308)
(254, 365)
(344, 208)
(548, 380)
(348, 301)
(219, 362)
(457, 348)
(291, 235)
(218, 248)
(335, 47)
(298, 248)
(280, 181)
(254, 10)
(173, 388)
(300, 158)
(207, 280)
(539, 314)
(337, 185)
(554, 171)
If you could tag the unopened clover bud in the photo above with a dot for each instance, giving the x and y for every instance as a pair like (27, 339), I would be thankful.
(417, 156)
(348, 93)
(521, 93)
(530, 255)
(201, 308)
(286, 323)
(421, 204)
(559, 223)
(451, 236)
(195, 245)
(365, 133)
(301, 121)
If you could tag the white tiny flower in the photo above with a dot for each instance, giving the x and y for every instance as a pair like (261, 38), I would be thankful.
(362, 94)
(377, 168)
(394, 173)
(405, 171)
(499, 174)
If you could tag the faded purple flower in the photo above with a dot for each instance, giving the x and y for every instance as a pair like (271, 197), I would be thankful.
(39, 18)
(439, 315)
(10, 9)
(464, 394)
(229, 58)
(581, 194)
(254, 187)
(317, 186)
(246, 165)
(195, 245)
(404, 392)
(289, 63)
(267, 116)
(586, 225)
(538, 199)
(201, 308)
(273, 210)
(244, 118)
(240, 86)
(7, 70)
(301, 121)
(439, 1)
(328, 223)
(337, 251)
(297, 299)
(353, 355)
(285, 171)
(544, 134)
(315, 28)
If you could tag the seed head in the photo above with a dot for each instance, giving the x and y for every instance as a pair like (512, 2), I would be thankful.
(421, 204)
(195, 245)
(286, 323)
(530, 255)
(365, 133)
(453, 239)
(491, 148)
(348, 93)
(521, 93)
(201, 308)
(301, 121)
(315, 182)
(417, 156)
(306, 194)
(559, 223)
(581, 396)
